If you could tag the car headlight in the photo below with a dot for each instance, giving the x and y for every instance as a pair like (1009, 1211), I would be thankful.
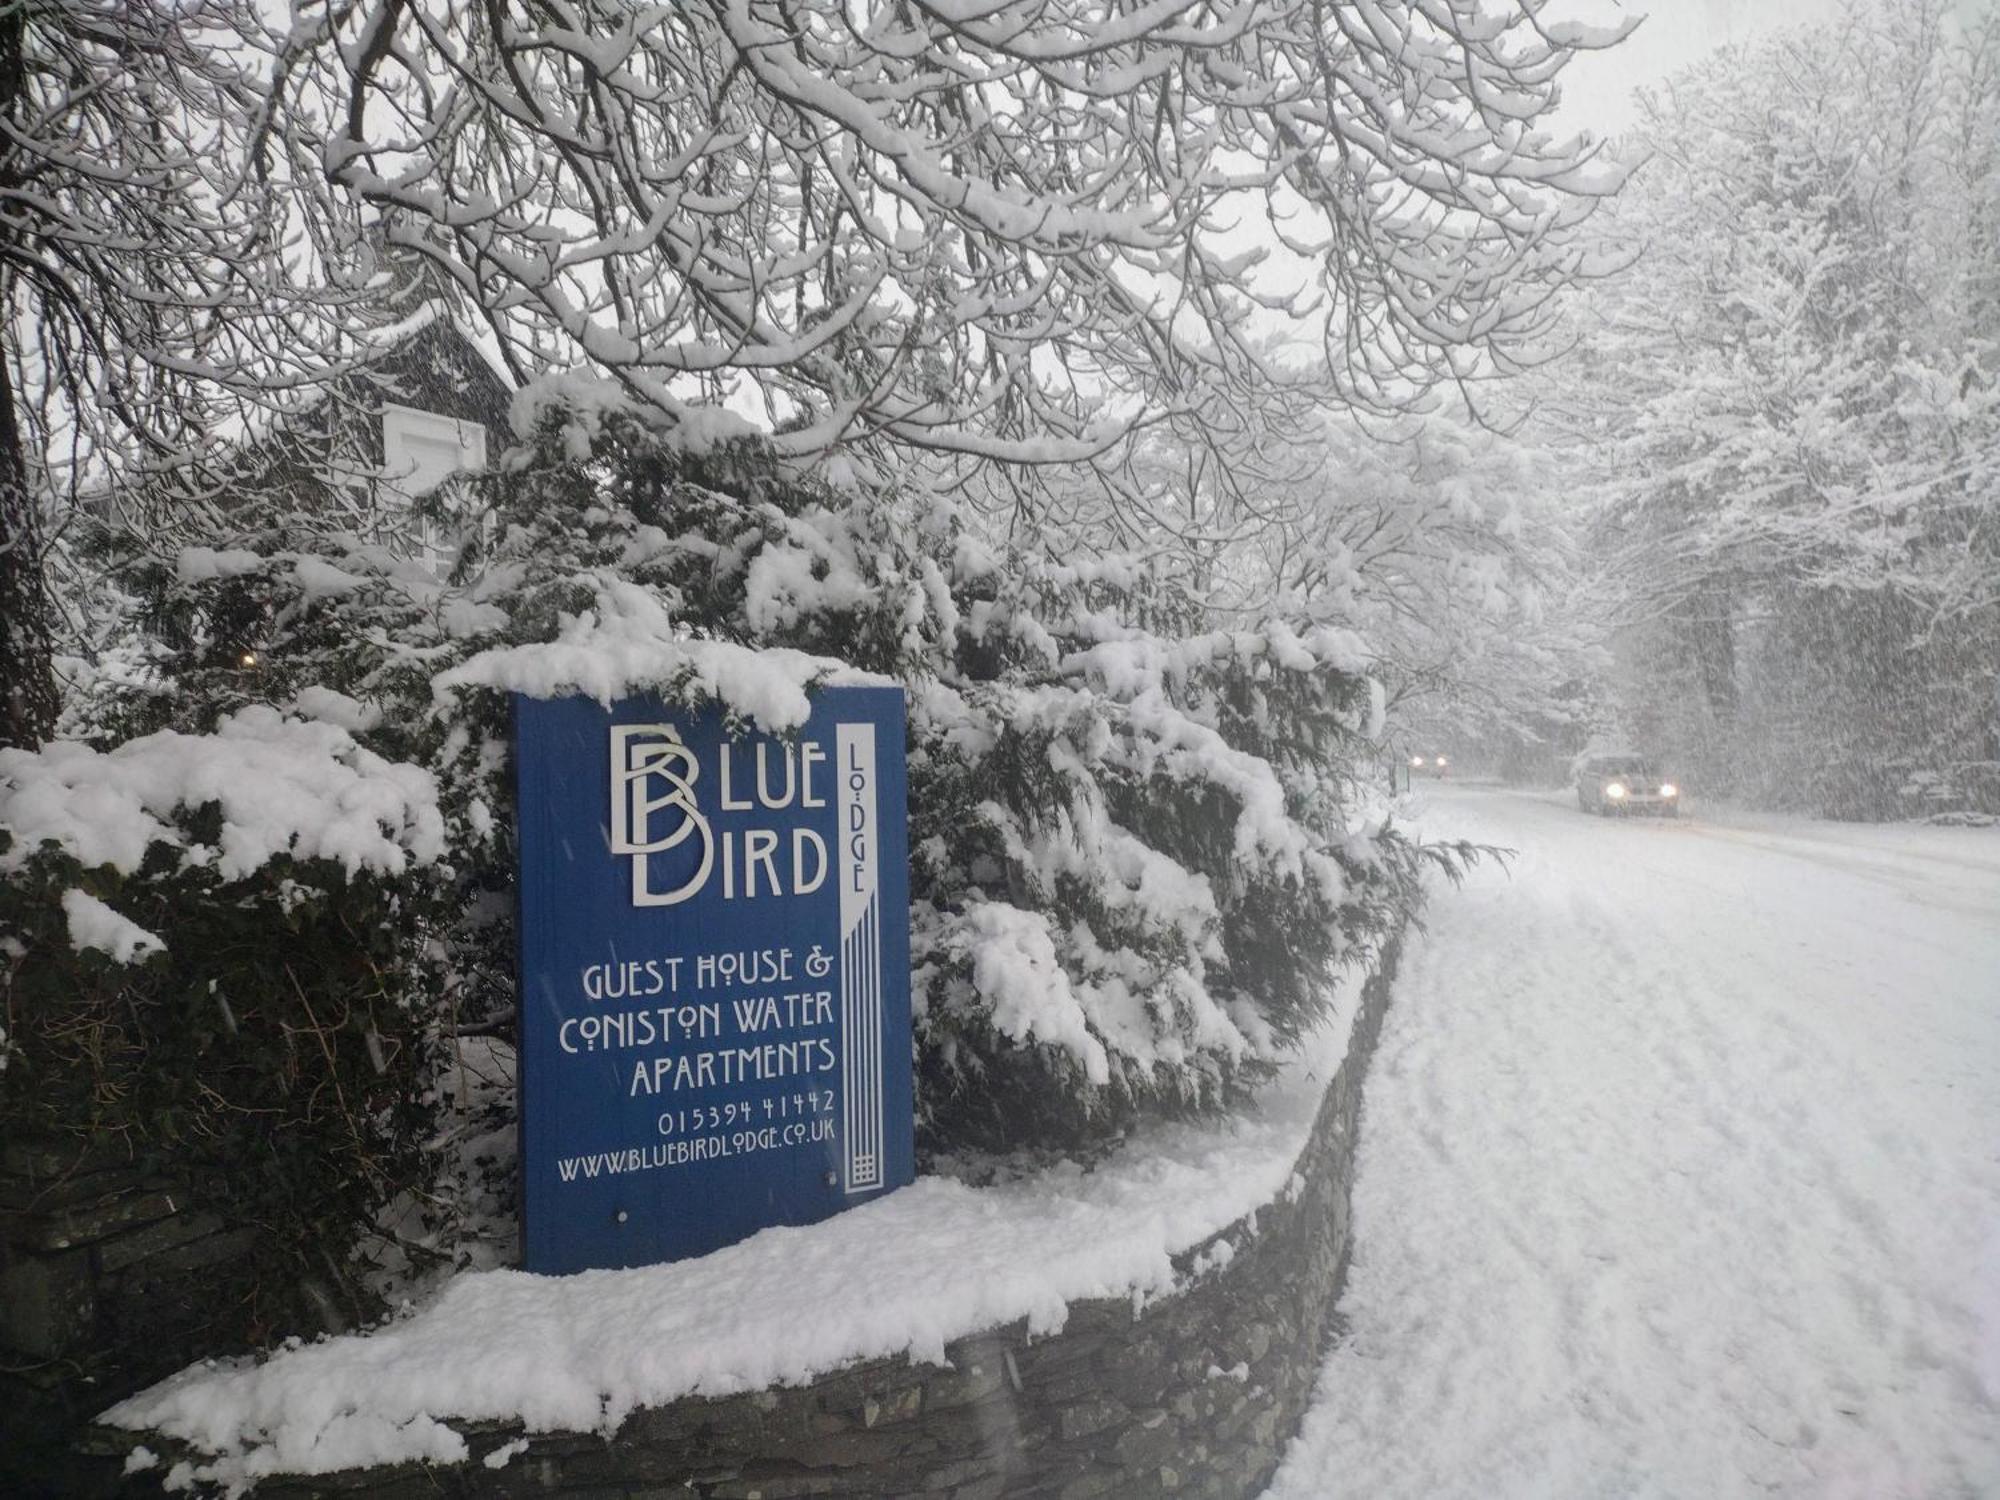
(1615, 791)
(1442, 761)
(1416, 760)
(1668, 789)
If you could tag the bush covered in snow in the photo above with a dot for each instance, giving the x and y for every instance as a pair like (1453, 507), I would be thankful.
(215, 961)
(1136, 867)
(1134, 875)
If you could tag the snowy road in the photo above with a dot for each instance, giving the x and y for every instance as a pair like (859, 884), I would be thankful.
(1680, 1172)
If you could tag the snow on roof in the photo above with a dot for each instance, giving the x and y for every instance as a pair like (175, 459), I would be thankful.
(583, 401)
(903, 1275)
(386, 339)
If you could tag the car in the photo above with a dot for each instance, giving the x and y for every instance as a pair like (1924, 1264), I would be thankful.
(1614, 784)
(1436, 765)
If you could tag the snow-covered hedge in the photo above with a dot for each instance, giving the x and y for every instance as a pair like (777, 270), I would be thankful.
(215, 959)
(1136, 865)
(280, 786)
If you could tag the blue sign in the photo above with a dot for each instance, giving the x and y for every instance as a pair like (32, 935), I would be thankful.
(715, 974)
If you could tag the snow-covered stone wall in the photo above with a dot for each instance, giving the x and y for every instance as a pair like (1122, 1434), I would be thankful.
(1194, 1394)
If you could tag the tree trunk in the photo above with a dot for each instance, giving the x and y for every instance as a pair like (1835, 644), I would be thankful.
(1712, 636)
(28, 701)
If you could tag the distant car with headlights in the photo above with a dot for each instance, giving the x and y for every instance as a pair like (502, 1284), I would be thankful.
(1610, 784)
(1430, 765)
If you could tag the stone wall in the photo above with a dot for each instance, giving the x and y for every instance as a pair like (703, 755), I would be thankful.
(1193, 1395)
(109, 1280)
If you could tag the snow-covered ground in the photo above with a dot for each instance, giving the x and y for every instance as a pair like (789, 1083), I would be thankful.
(943, 1260)
(1680, 1171)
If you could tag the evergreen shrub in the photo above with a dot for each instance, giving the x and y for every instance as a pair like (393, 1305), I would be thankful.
(253, 1028)
(1138, 867)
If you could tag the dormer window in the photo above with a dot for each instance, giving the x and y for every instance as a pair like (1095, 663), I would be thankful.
(420, 450)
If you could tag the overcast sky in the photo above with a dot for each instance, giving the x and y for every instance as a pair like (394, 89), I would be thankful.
(1597, 89)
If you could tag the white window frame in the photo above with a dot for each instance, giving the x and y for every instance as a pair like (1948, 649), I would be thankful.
(420, 450)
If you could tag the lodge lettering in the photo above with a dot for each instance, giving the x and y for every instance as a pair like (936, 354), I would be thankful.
(859, 866)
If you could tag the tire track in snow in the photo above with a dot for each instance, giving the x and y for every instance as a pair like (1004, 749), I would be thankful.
(1678, 1178)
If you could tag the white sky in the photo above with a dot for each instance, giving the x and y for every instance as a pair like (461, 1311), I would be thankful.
(1597, 88)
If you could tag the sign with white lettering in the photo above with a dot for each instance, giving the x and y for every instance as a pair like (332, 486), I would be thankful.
(715, 974)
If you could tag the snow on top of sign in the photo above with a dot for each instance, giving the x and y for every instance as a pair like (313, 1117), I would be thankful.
(283, 787)
(902, 1275)
(629, 643)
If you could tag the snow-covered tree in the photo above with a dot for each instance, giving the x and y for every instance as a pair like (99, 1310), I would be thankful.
(1013, 236)
(1138, 861)
(1447, 547)
(164, 276)
(1794, 400)
(1014, 241)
